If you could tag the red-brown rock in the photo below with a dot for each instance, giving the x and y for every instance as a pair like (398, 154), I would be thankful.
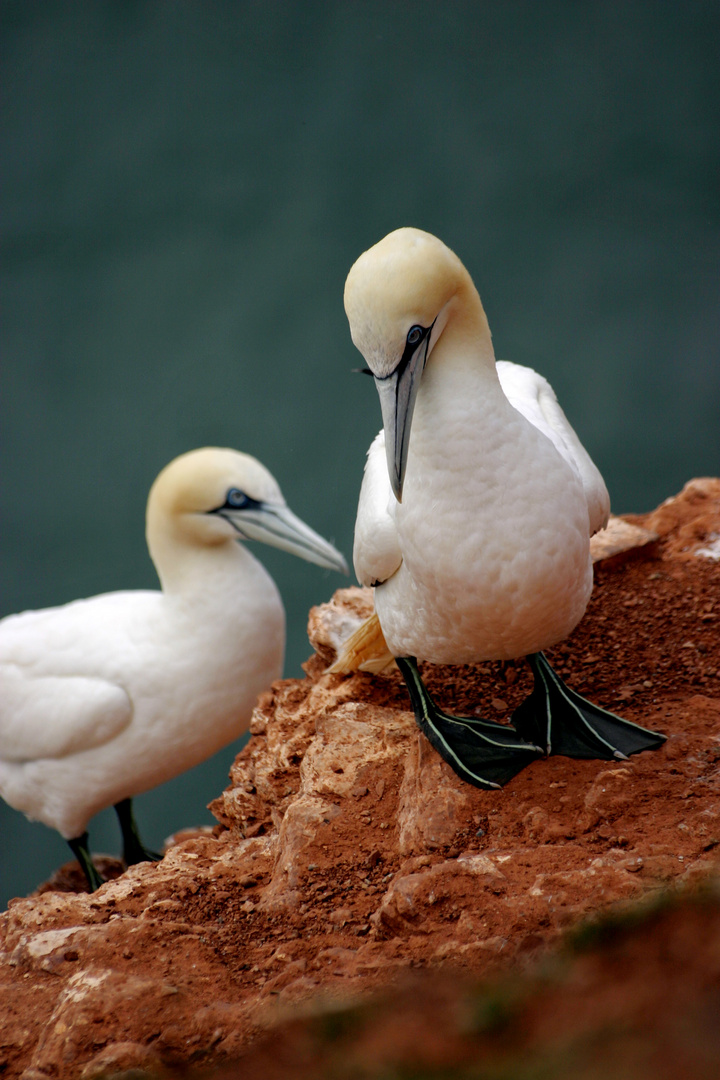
(348, 852)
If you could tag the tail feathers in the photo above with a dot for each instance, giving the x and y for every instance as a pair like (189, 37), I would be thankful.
(365, 650)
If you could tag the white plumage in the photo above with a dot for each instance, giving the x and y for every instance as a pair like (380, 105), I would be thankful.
(108, 697)
(477, 503)
(487, 556)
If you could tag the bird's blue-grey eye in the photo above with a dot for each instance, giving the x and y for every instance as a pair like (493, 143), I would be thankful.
(237, 499)
(415, 334)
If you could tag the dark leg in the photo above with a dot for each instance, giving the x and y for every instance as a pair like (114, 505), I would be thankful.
(481, 752)
(133, 848)
(563, 722)
(81, 851)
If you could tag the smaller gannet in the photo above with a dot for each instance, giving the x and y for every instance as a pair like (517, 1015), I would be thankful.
(104, 698)
(475, 513)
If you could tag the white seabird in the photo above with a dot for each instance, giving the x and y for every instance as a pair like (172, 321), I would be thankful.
(107, 697)
(476, 510)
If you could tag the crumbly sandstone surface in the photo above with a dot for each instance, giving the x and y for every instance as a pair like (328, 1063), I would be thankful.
(348, 856)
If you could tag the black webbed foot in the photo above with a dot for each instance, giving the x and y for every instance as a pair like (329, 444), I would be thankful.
(563, 722)
(481, 752)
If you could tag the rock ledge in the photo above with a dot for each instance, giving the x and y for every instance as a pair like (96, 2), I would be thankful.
(348, 853)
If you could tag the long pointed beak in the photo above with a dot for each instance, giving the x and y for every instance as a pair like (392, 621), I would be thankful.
(279, 527)
(398, 392)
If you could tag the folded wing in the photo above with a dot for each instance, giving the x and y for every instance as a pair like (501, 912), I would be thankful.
(53, 716)
(535, 399)
(376, 550)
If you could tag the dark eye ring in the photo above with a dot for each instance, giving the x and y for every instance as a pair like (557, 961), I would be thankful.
(237, 499)
(415, 334)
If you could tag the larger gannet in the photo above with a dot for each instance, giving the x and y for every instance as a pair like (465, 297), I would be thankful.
(475, 513)
(107, 697)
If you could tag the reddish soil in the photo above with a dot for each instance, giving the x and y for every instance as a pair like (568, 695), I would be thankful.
(348, 854)
(633, 997)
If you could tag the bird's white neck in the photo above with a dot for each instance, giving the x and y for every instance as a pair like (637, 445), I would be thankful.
(186, 568)
(462, 363)
(460, 401)
(465, 337)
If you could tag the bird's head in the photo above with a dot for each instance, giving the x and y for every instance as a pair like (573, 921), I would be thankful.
(399, 297)
(215, 496)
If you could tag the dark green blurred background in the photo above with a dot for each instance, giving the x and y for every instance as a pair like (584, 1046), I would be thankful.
(185, 188)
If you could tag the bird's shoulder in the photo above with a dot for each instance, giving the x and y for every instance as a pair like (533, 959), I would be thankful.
(85, 628)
